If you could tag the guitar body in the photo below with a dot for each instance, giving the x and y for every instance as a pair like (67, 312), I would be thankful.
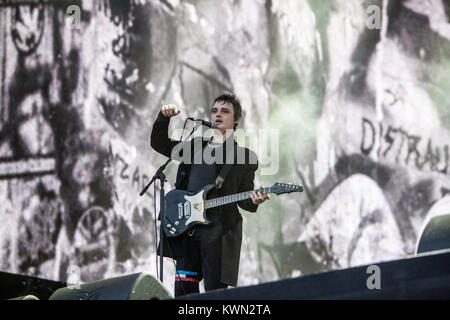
(184, 210)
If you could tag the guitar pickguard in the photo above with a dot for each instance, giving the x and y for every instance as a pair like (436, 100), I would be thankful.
(197, 208)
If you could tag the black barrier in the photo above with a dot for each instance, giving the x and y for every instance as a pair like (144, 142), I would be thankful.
(417, 277)
(17, 285)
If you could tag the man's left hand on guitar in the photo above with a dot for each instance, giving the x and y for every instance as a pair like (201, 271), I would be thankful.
(258, 197)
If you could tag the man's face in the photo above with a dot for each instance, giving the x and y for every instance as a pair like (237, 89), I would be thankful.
(222, 114)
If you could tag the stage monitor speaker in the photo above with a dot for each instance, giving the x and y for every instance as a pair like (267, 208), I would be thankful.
(138, 286)
(436, 235)
(28, 297)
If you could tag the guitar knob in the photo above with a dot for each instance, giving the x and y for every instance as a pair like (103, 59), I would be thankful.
(169, 226)
(177, 223)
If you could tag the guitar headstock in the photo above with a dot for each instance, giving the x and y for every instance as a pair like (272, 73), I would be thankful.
(280, 188)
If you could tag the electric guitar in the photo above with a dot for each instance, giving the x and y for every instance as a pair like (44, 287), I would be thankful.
(184, 210)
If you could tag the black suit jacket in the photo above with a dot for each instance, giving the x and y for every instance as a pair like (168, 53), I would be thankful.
(239, 179)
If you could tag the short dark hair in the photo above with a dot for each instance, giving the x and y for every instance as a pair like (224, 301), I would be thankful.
(231, 98)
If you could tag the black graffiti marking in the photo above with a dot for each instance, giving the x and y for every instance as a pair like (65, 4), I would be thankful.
(136, 177)
(389, 139)
(27, 28)
(121, 46)
(137, 180)
(413, 141)
(396, 98)
(125, 166)
(431, 157)
(127, 87)
(364, 150)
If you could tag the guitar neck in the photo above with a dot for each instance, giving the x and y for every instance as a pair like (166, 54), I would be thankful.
(212, 203)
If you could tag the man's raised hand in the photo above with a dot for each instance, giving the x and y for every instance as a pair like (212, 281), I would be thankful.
(170, 110)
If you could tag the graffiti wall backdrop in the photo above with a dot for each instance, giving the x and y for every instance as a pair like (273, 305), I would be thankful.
(362, 113)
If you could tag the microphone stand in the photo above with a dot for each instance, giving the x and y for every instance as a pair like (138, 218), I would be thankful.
(162, 178)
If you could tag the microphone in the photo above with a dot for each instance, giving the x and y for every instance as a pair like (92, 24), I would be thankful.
(205, 123)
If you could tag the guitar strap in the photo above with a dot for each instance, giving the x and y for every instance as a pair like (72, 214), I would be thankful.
(225, 169)
(222, 175)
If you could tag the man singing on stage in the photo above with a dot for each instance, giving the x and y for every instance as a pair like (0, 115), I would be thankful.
(210, 252)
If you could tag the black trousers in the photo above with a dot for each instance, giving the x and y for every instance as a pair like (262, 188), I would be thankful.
(203, 262)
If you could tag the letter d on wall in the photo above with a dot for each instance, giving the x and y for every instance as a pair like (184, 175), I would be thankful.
(374, 281)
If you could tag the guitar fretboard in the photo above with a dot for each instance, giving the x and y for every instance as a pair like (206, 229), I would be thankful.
(211, 203)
